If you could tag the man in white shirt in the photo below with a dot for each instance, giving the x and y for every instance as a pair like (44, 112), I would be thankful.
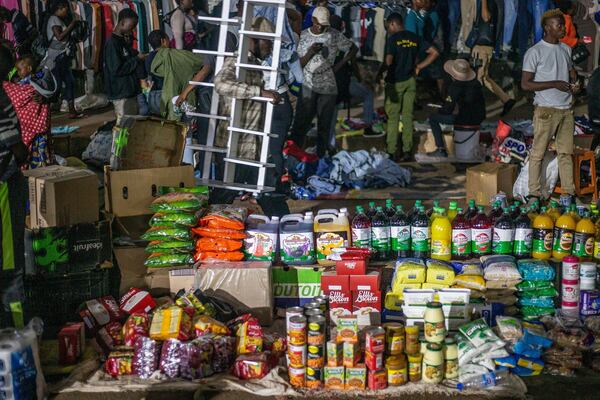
(549, 72)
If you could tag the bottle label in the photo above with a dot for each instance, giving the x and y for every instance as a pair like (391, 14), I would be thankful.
(461, 241)
(440, 247)
(523, 238)
(420, 238)
(380, 237)
(327, 241)
(502, 243)
(297, 247)
(563, 240)
(260, 246)
(361, 237)
(400, 238)
(597, 250)
(583, 244)
(482, 240)
(542, 240)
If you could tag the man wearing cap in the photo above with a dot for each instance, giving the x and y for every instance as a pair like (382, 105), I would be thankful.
(318, 48)
(465, 94)
(548, 70)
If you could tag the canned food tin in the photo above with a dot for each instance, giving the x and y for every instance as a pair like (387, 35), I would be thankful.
(297, 330)
(292, 312)
(316, 356)
(570, 295)
(312, 304)
(313, 378)
(297, 377)
(296, 356)
(323, 301)
(313, 312)
(316, 330)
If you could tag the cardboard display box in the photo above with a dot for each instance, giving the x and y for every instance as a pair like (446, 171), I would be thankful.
(130, 261)
(130, 193)
(62, 196)
(487, 179)
(296, 285)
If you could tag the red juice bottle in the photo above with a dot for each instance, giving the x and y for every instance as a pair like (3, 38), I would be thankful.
(481, 233)
(461, 237)
(495, 212)
(504, 234)
(471, 211)
(372, 210)
(361, 229)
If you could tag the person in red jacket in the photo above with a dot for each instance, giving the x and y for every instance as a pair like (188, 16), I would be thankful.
(567, 8)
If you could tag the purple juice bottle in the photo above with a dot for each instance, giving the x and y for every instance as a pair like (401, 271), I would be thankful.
(481, 234)
(461, 237)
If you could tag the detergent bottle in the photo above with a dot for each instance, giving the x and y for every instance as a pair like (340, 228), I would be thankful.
(441, 236)
(380, 235)
(400, 234)
(564, 229)
(542, 236)
(554, 211)
(461, 237)
(331, 231)
(361, 229)
(296, 240)
(481, 234)
(452, 210)
(504, 234)
(263, 241)
(523, 235)
(583, 243)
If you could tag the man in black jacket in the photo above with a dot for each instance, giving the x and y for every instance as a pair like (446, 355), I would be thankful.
(122, 64)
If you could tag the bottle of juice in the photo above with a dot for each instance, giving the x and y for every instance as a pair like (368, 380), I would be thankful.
(436, 204)
(574, 213)
(331, 231)
(380, 235)
(514, 212)
(532, 212)
(420, 234)
(389, 208)
(597, 241)
(452, 210)
(554, 211)
(461, 237)
(435, 213)
(523, 235)
(542, 236)
(441, 236)
(583, 243)
(495, 212)
(361, 229)
(400, 234)
(594, 213)
(564, 229)
(411, 214)
(481, 234)
(504, 233)
(471, 211)
(372, 210)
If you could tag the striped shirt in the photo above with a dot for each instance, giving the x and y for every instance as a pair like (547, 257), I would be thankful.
(9, 136)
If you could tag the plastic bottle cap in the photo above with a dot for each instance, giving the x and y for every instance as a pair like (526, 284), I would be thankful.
(459, 386)
(459, 209)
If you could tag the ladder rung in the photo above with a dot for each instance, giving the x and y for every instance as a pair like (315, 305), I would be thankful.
(258, 67)
(250, 132)
(272, 2)
(208, 149)
(207, 84)
(234, 186)
(201, 115)
(251, 163)
(259, 35)
(214, 53)
(218, 19)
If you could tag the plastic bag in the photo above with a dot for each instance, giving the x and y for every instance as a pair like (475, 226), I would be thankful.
(119, 363)
(536, 270)
(217, 244)
(467, 268)
(481, 336)
(500, 268)
(189, 300)
(159, 260)
(249, 334)
(171, 323)
(180, 218)
(220, 233)
(558, 370)
(537, 301)
(532, 312)
(176, 202)
(203, 324)
(564, 357)
(171, 357)
(509, 328)
(466, 351)
(225, 218)
(196, 359)
(527, 286)
(224, 353)
(475, 282)
(439, 272)
(213, 255)
(164, 233)
(146, 353)
(174, 246)
(201, 192)
(546, 292)
(547, 180)
(252, 366)
(137, 325)
(502, 284)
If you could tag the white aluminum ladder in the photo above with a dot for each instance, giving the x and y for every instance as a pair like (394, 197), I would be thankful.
(231, 159)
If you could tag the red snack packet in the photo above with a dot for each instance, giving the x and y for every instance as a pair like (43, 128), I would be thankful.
(119, 363)
(109, 336)
(251, 366)
(137, 301)
(99, 312)
(138, 324)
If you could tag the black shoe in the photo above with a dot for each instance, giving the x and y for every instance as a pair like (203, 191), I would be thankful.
(440, 153)
(406, 157)
(507, 107)
(370, 133)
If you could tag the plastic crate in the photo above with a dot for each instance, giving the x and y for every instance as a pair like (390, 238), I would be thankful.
(56, 299)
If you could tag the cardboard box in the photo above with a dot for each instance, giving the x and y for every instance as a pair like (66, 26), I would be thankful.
(71, 343)
(351, 267)
(330, 281)
(296, 285)
(130, 261)
(427, 142)
(247, 286)
(366, 305)
(182, 279)
(487, 179)
(157, 281)
(76, 248)
(62, 196)
(130, 193)
(152, 143)
(370, 281)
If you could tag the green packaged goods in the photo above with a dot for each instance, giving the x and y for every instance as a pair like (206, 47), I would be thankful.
(173, 246)
(534, 285)
(544, 292)
(161, 260)
(179, 218)
(201, 192)
(174, 202)
(533, 312)
(166, 234)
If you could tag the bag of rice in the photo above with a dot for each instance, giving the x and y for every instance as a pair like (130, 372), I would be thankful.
(467, 268)
(500, 268)
(536, 270)
(439, 272)
(475, 282)
(481, 336)
(502, 284)
(509, 328)
(408, 271)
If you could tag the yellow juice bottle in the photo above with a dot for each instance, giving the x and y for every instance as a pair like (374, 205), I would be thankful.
(452, 210)
(441, 236)
(554, 211)
(583, 242)
(532, 213)
(542, 236)
(564, 230)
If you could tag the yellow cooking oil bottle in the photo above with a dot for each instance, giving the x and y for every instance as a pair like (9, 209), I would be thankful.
(441, 236)
(542, 236)
(583, 242)
(564, 229)
(331, 231)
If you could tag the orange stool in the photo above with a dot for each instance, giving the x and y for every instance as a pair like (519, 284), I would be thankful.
(578, 159)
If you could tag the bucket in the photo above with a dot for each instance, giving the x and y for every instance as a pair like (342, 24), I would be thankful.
(466, 143)
(502, 131)
(262, 242)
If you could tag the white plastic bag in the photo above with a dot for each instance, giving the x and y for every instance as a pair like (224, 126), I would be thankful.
(548, 178)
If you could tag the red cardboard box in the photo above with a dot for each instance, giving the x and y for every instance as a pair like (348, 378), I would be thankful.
(137, 301)
(351, 267)
(331, 281)
(340, 304)
(370, 281)
(71, 342)
(366, 305)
